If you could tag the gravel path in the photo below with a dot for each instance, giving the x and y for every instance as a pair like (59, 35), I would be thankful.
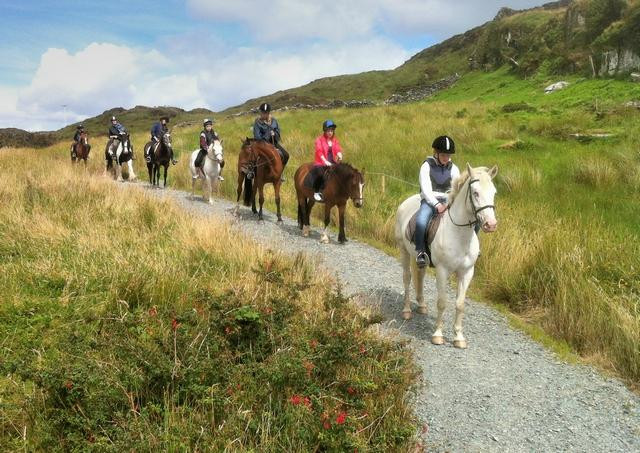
(505, 393)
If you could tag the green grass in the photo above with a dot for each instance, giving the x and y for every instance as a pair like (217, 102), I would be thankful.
(129, 325)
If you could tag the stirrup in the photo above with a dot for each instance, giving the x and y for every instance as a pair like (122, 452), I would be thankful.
(220, 178)
(318, 197)
(250, 175)
(174, 161)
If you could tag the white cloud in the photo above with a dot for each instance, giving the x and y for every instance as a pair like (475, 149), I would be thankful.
(103, 76)
(282, 20)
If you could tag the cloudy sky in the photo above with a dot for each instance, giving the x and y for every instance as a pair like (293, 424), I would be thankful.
(62, 61)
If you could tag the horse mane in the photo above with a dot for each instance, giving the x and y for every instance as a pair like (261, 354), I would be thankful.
(343, 170)
(460, 181)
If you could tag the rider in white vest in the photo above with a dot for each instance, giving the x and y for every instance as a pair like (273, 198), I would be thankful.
(436, 175)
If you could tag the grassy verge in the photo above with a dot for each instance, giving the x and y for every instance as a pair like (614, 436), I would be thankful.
(128, 325)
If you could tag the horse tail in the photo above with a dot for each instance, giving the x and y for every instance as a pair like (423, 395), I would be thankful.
(248, 189)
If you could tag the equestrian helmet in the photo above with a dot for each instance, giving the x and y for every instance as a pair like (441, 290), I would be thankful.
(207, 121)
(265, 107)
(80, 126)
(164, 117)
(444, 144)
(328, 124)
(113, 118)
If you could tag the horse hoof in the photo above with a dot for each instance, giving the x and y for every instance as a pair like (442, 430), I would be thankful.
(460, 344)
(324, 239)
(279, 221)
(211, 202)
(438, 340)
(305, 231)
(422, 310)
(407, 315)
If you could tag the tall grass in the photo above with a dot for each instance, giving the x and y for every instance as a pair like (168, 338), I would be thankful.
(127, 324)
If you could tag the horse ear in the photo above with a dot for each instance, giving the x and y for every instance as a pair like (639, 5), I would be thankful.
(469, 170)
(493, 172)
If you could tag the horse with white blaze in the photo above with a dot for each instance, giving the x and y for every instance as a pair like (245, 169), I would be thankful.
(209, 171)
(455, 246)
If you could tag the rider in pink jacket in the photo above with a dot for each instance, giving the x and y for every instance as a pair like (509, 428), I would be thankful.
(328, 153)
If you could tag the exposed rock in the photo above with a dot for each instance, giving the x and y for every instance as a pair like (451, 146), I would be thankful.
(334, 104)
(589, 137)
(632, 104)
(417, 94)
(616, 61)
(635, 77)
(556, 87)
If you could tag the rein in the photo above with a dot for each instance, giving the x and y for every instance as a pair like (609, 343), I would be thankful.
(473, 207)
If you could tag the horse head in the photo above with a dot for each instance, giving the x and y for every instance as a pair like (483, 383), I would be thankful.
(480, 194)
(356, 188)
(215, 150)
(166, 140)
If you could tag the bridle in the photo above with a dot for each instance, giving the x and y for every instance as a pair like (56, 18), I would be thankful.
(361, 192)
(473, 207)
(214, 159)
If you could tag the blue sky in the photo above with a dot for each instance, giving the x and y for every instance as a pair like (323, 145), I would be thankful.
(91, 56)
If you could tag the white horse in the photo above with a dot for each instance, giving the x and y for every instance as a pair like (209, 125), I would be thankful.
(455, 246)
(209, 171)
(118, 156)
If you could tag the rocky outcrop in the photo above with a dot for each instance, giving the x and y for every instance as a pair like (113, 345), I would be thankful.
(619, 61)
(417, 94)
(334, 104)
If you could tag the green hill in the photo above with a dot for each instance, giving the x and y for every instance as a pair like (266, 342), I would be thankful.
(584, 37)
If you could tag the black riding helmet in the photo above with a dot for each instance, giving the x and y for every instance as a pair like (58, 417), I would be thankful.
(444, 144)
(80, 126)
(164, 117)
(265, 107)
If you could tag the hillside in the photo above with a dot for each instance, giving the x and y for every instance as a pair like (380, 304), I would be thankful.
(591, 38)
(135, 119)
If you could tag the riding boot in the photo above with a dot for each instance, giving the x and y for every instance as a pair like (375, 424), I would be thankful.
(220, 178)
(73, 151)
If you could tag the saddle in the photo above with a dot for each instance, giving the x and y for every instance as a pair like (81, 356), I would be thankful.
(430, 232)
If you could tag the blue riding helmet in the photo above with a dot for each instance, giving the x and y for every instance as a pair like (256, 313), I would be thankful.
(328, 125)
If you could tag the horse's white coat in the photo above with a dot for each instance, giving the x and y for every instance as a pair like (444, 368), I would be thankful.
(123, 147)
(454, 249)
(210, 170)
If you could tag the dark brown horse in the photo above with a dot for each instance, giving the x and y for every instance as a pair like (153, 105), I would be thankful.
(342, 182)
(160, 157)
(81, 149)
(259, 163)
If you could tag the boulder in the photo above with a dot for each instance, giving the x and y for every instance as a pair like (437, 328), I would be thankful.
(635, 77)
(556, 87)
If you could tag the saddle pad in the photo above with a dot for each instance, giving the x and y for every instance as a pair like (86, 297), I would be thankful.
(431, 228)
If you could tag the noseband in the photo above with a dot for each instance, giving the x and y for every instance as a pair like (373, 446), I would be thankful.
(473, 207)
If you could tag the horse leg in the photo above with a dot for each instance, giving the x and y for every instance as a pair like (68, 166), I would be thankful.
(261, 201)
(166, 170)
(464, 278)
(405, 259)
(419, 285)
(327, 218)
(276, 188)
(442, 276)
(132, 174)
(309, 202)
(119, 172)
(254, 191)
(209, 189)
(342, 237)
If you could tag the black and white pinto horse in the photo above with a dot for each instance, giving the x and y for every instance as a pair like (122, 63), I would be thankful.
(118, 152)
(160, 155)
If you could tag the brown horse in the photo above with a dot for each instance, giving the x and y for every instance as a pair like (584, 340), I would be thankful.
(81, 149)
(259, 163)
(342, 182)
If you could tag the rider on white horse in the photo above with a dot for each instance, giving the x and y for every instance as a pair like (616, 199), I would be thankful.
(157, 131)
(116, 132)
(207, 137)
(436, 175)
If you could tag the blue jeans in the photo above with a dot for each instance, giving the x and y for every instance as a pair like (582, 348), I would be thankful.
(422, 220)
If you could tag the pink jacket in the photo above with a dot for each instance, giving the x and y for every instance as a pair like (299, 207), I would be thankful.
(322, 150)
